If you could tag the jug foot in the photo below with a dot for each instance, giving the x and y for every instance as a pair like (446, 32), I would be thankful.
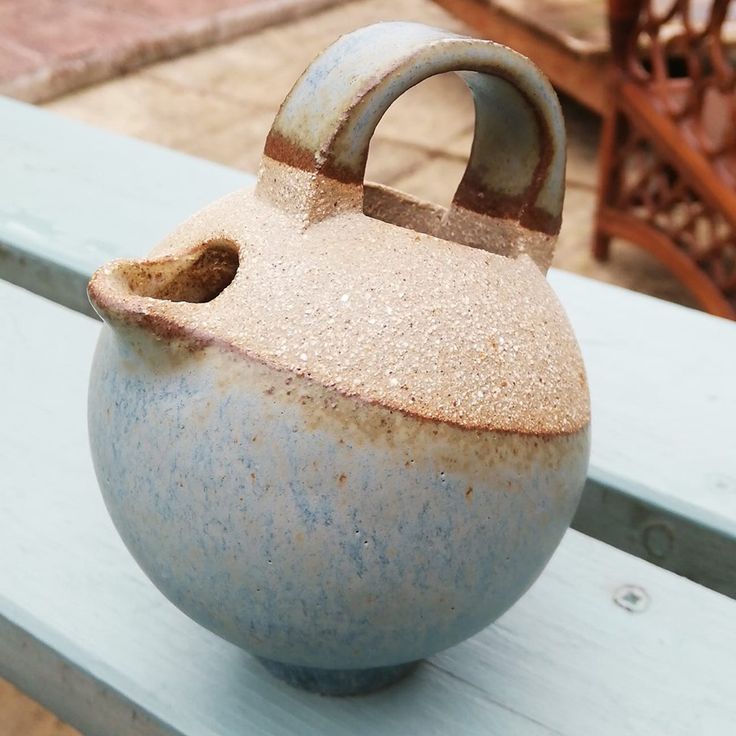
(338, 682)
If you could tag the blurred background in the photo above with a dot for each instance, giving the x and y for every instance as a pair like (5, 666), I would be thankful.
(655, 196)
(206, 77)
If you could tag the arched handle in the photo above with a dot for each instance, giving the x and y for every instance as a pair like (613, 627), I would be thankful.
(517, 163)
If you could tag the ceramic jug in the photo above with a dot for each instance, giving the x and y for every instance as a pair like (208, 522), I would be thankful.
(340, 427)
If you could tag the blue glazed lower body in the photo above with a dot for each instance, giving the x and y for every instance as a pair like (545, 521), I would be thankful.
(338, 682)
(304, 525)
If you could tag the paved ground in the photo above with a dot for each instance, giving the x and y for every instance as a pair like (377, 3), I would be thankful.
(219, 104)
(49, 47)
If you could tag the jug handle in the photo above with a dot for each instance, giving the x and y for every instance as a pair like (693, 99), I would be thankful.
(315, 154)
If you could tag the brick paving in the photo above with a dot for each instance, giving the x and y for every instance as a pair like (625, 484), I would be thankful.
(49, 47)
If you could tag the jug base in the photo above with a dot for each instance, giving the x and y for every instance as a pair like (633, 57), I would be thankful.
(338, 682)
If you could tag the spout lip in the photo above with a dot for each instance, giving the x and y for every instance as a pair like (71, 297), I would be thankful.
(121, 308)
(177, 282)
(110, 295)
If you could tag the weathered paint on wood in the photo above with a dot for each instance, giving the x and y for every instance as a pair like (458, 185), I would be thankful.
(73, 197)
(662, 482)
(662, 478)
(83, 631)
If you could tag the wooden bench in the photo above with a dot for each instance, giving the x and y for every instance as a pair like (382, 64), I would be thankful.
(603, 643)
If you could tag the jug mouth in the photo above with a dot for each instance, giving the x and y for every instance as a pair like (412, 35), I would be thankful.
(195, 276)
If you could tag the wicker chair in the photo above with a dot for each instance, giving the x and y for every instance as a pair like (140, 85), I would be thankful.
(668, 150)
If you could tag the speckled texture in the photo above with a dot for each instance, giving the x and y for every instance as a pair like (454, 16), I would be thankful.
(340, 442)
(314, 528)
(379, 312)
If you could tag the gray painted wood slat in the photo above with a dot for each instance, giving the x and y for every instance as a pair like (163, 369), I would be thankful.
(73, 197)
(662, 478)
(662, 482)
(83, 631)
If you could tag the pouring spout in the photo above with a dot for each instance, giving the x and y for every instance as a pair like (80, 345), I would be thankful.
(127, 291)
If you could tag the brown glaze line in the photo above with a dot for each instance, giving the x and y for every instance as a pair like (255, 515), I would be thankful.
(471, 196)
(537, 218)
(280, 148)
(194, 341)
(228, 347)
(162, 327)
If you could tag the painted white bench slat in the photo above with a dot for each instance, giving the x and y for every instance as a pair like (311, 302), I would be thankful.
(662, 482)
(662, 479)
(73, 197)
(83, 631)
